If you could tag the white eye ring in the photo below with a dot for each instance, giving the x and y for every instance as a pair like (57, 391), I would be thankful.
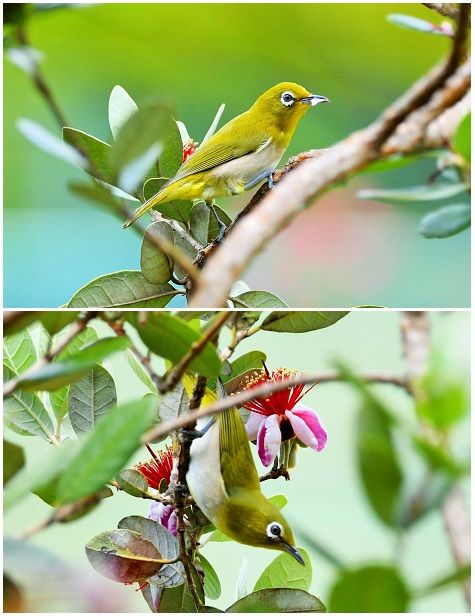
(274, 530)
(287, 99)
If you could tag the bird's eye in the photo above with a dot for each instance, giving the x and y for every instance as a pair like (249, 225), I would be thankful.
(287, 99)
(274, 530)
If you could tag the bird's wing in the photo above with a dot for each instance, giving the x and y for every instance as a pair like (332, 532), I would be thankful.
(237, 138)
(237, 466)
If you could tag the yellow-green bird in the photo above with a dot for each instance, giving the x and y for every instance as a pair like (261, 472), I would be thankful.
(243, 153)
(223, 480)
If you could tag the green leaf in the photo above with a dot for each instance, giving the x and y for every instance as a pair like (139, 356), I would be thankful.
(123, 556)
(89, 398)
(446, 221)
(143, 130)
(25, 413)
(41, 339)
(172, 152)
(174, 403)
(156, 266)
(97, 193)
(13, 460)
(212, 585)
(171, 337)
(213, 225)
(461, 142)
(19, 352)
(176, 210)
(19, 320)
(59, 397)
(285, 572)
(369, 589)
(414, 23)
(49, 143)
(458, 576)
(253, 360)
(443, 399)
(187, 250)
(415, 194)
(55, 321)
(177, 600)
(278, 600)
(379, 466)
(199, 222)
(390, 163)
(169, 575)
(121, 108)
(140, 372)
(295, 321)
(259, 299)
(126, 289)
(55, 375)
(106, 450)
(98, 152)
(132, 481)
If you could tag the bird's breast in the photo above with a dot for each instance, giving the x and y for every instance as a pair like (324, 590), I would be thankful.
(204, 476)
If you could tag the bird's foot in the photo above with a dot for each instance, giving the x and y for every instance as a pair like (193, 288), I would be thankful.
(188, 436)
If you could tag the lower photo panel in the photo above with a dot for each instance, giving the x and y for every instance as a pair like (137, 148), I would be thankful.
(240, 461)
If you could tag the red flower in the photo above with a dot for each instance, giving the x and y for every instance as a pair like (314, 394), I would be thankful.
(158, 468)
(281, 416)
(188, 149)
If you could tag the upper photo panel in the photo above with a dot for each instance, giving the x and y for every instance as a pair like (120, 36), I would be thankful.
(242, 155)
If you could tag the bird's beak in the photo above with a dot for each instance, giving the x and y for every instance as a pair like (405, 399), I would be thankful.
(294, 552)
(314, 99)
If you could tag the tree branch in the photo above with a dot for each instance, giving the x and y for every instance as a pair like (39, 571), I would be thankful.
(445, 9)
(262, 391)
(312, 177)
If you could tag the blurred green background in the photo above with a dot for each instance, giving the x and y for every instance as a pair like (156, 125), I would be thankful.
(326, 497)
(344, 252)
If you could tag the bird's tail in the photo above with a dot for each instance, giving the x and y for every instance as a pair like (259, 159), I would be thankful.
(150, 203)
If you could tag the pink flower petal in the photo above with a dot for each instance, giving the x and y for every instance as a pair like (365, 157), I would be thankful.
(269, 439)
(253, 424)
(307, 426)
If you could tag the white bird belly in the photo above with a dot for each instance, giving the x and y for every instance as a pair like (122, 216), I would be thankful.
(246, 168)
(204, 477)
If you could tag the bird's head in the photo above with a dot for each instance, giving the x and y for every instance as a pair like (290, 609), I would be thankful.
(287, 102)
(256, 521)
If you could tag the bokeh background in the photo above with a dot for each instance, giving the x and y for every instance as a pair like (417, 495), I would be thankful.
(326, 497)
(343, 252)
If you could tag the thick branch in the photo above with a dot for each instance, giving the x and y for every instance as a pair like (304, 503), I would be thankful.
(314, 176)
(262, 391)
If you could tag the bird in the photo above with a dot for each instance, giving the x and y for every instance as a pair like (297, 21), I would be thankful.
(242, 154)
(223, 480)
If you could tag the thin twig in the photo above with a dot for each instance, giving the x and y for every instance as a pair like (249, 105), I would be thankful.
(174, 375)
(260, 392)
(76, 328)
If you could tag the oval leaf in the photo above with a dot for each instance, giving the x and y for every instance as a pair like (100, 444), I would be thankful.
(123, 556)
(369, 589)
(285, 572)
(90, 397)
(278, 600)
(13, 460)
(98, 152)
(446, 221)
(415, 194)
(126, 289)
(300, 321)
(258, 299)
(156, 266)
(212, 585)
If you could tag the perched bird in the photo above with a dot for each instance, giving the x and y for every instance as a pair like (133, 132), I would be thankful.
(242, 154)
(223, 480)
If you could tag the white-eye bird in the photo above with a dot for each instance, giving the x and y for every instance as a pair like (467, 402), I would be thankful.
(242, 154)
(223, 480)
